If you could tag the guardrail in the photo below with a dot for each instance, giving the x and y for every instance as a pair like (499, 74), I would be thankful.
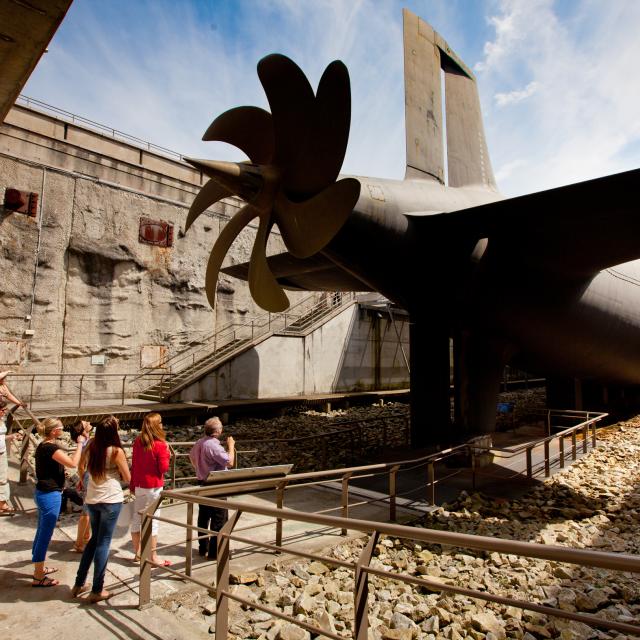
(31, 103)
(77, 388)
(274, 451)
(219, 497)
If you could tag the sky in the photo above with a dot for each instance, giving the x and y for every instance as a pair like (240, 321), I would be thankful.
(558, 80)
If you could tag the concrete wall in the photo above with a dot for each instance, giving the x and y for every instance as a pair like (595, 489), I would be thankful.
(357, 350)
(78, 270)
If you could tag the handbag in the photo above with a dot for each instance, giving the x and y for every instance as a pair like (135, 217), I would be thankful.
(126, 515)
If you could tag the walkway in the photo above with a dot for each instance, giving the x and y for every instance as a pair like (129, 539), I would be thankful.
(23, 608)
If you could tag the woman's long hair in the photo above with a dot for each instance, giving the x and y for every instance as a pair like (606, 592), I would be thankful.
(151, 430)
(106, 436)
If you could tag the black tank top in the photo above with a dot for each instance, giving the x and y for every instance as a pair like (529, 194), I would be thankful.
(50, 473)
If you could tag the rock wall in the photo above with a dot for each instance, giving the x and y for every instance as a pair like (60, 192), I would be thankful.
(97, 290)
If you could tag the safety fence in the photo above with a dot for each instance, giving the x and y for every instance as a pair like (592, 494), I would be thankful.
(223, 497)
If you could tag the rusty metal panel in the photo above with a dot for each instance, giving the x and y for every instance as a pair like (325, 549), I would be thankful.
(153, 356)
(21, 202)
(156, 232)
(11, 352)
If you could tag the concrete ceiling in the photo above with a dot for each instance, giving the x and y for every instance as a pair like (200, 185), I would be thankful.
(26, 28)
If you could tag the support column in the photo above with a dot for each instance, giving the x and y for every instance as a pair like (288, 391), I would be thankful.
(479, 362)
(430, 370)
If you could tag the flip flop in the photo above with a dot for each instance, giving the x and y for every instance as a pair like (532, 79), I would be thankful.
(165, 563)
(77, 549)
(46, 581)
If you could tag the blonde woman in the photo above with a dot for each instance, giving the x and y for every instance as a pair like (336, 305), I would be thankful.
(107, 466)
(5, 394)
(50, 463)
(149, 464)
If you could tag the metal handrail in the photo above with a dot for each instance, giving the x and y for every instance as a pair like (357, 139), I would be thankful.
(222, 332)
(248, 332)
(100, 128)
(120, 390)
(362, 567)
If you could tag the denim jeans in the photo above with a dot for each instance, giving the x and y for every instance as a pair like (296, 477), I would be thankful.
(48, 503)
(103, 517)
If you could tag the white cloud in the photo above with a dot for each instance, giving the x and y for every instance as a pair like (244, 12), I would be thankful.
(513, 97)
(585, 110)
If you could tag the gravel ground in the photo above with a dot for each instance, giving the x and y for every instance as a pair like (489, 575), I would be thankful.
(595, 504)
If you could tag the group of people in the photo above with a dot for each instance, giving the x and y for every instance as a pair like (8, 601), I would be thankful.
(102, 471)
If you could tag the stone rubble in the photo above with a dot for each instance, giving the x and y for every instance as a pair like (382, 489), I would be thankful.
(594, 504)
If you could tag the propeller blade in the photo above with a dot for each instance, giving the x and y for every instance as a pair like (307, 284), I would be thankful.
(307, 227)
(228, 234)
(291, 100)
(320, 159)
(240, 178)
(264, 288)
(248, 128)
(209, 194)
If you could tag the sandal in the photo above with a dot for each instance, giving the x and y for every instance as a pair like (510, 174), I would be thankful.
(47, 571)
(97, 597)
(7, 511)
(78, 549)
(45, 581)
(163, 563)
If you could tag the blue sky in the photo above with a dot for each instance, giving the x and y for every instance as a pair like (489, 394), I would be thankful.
(558, 80)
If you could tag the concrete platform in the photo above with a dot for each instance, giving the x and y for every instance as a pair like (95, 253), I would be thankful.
(24, 609)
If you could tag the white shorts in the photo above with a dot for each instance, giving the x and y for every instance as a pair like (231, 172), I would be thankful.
(144, 497)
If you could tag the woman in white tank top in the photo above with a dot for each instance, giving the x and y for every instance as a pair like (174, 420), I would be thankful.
(107, 466)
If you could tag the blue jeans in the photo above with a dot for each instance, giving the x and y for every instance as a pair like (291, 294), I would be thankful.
(48, 503)
(103, 517)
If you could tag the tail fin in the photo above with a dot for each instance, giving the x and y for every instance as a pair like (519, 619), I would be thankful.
(426, 54)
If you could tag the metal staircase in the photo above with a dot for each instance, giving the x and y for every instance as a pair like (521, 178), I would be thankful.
(196, 361)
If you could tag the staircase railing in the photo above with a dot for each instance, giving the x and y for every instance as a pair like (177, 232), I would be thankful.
(237, 336)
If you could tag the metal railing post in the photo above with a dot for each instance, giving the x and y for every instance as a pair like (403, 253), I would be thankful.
(529, 463)
(279, 505)
(473, 468)
(252, 330)
(574, 448)
(585, 439)
(561, 447)
(33, 377)
(432, 483)
(593, 435)
(124, 380)
(361, 591)
(547, 465)
(344, 500)
(173, 466)
(393, 483)
(222, 577)
(188, 560)
(144, 594)
(80, 391)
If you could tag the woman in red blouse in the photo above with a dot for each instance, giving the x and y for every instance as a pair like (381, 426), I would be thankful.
(150, 463)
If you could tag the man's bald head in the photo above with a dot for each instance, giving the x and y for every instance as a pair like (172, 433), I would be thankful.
(213, 427)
